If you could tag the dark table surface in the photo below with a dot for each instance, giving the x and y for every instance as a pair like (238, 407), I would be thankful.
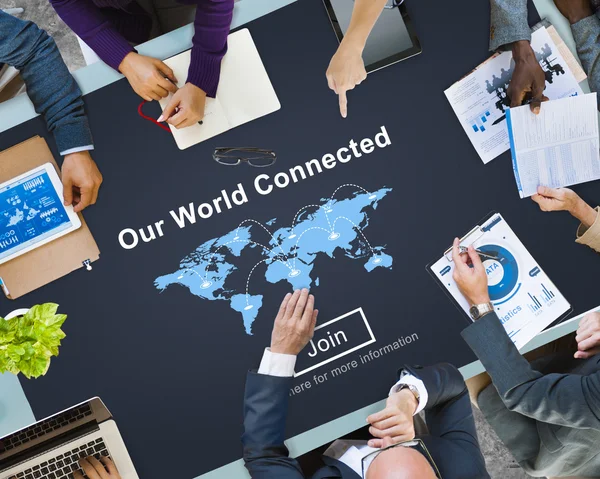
(170, 366)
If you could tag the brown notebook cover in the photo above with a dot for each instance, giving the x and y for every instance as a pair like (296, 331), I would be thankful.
(52, 260)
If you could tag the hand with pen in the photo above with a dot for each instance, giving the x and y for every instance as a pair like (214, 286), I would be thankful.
(185, 108)
(152, 79)
(469, 274)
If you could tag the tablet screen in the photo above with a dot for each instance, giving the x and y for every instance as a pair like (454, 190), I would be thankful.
(30, 211)
(389, 38)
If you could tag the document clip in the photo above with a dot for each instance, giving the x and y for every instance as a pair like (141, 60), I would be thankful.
(471, 238)
(88, 264)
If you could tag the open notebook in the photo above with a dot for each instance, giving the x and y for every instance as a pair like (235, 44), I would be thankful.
(245, 92)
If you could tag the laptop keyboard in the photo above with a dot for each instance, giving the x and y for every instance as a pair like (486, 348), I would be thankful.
(45, 427)
(64, 465)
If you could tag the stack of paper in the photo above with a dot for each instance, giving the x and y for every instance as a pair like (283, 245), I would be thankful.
(559, 147)
(480, 99)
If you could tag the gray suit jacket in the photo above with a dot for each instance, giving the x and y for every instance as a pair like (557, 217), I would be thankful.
(550, 422)
(509, 24)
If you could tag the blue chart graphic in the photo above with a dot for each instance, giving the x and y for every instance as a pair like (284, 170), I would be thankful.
(545, 294)
(30, 211)
(478, 121)
(333, 226)
(503, 274)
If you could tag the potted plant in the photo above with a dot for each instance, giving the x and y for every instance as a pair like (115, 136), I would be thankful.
(29, 339)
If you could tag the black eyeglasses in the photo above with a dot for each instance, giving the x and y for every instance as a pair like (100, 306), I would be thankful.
(256, 157)
(417, 444)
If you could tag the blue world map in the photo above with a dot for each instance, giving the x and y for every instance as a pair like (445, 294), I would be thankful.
(328, 228)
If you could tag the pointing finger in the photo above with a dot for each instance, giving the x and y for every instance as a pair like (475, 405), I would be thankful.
(343, 103)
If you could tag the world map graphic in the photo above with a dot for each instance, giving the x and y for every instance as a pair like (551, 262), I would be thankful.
(333, 226)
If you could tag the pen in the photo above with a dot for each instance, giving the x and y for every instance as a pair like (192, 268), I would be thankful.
(464, 249)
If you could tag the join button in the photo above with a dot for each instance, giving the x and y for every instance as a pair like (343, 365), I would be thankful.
(335, 339)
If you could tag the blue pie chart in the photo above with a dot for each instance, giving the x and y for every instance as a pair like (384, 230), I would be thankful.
(503, 273)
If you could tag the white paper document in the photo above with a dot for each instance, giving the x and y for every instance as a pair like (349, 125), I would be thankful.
(480, 99)
(524, 298)
(245, 92)
(559, 147)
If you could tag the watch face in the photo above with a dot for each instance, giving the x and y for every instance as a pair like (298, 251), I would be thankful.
(474, 312)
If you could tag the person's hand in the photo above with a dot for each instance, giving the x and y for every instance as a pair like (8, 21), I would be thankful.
(528, 77)
(185, 108)
(395, 421)
(81, 180)
(346, 70)
(146, 75)
(295, 323)
(574, 10)
(588, 336)
(471, 279)
(94, 469)
(564, 199)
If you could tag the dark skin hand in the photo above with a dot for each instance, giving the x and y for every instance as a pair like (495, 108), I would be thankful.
(528, 80)
(574, 10)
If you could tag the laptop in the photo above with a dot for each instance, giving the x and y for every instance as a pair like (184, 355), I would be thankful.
(52, 447)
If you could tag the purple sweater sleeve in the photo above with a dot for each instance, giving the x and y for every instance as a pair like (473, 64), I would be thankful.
(212, 23)
(92, 26)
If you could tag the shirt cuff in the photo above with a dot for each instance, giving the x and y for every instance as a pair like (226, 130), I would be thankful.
(77, 150)
(277, 364)
(409, 379)
(590, 236)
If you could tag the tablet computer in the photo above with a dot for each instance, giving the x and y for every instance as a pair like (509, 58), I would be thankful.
(392, 39)
(32, 212)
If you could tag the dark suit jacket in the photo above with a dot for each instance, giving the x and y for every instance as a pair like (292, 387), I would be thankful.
(550, 422)
(452, 439)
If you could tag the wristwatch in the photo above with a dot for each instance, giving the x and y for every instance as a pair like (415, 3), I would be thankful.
(477, 311)
(412, 389)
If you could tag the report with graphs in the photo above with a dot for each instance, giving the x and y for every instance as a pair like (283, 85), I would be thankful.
(558, 147)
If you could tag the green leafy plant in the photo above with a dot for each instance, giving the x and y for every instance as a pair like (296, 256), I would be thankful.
(28, 342)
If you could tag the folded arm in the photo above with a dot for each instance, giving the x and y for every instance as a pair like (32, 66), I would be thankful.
(563, 399)
(50, 86)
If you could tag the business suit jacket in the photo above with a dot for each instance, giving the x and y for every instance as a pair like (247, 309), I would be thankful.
(509, 24)
(550, 422)
(452, 439)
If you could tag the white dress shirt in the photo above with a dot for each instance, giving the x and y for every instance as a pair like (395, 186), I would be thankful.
(346, 451)
(77, 150)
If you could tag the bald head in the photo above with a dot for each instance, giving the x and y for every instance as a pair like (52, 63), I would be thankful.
(400, 463)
